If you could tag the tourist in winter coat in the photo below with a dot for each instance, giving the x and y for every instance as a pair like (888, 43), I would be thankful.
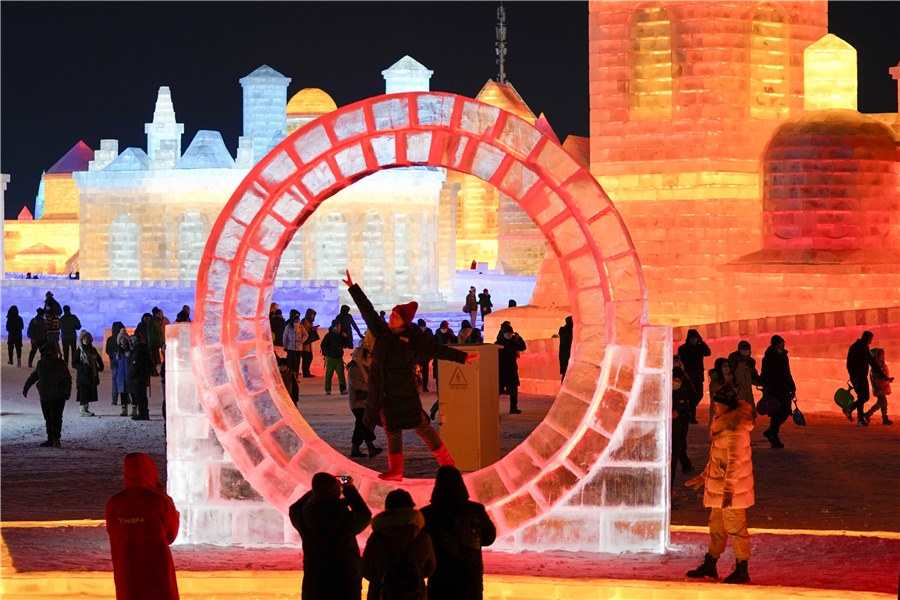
(485, 304)
(293, 338)
(777, 381)
(444, 336)
(52, 321)
(692, 353)
(123, 370)
(328, 526)
(277, 324)
(348, 325)
(332, 347)
(859, 359)
(393, 400)
(743, 366)
(88, 366)
(142, 369)
(54, 384)
(398, 543)
(111, 350)
(184, 315)
(465, 330)
(459, 528)
(14, 327)
(565, 346)
(881, 387)
(720, 375)
(308, 323)
(37, 334)
(51, 306)
(423, 365)
(143, 327)
(68, 328)
(728, 479)
(471, 305)
(156, 337)
(142, 522)
(357, 393)
(681, 418)
(511, 343)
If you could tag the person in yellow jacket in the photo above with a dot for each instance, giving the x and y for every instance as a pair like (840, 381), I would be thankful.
(728, 479)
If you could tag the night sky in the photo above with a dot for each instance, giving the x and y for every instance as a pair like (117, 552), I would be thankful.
(75, 71)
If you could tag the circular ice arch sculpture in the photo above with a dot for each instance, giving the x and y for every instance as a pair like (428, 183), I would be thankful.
(238, 381)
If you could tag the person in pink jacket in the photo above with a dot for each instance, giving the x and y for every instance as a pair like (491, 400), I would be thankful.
(728, 479)
(142, 522)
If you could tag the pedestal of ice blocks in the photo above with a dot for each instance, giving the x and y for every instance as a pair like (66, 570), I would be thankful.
(620, 503)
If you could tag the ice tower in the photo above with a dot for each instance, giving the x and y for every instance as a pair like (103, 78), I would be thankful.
(684, 98)
(265, 119)
(491, 227)
(164, 134)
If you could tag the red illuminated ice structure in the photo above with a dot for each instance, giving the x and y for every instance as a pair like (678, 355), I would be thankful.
(591, 476)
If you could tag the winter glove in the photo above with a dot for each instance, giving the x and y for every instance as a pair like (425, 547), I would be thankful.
(727, 499)
(25, 392)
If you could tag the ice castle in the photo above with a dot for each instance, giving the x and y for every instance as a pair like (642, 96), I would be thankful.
(151, 210)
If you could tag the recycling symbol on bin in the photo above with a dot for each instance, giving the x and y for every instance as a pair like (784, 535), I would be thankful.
(458, 380)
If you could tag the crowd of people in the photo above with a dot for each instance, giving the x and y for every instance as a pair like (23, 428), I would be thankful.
(387, 371)
(56, 334)
(728, 475)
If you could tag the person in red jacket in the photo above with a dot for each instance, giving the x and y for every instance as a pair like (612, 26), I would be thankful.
(142, 522)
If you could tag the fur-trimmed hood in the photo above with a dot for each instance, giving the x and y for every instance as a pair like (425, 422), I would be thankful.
(734, 420)
(399, 518)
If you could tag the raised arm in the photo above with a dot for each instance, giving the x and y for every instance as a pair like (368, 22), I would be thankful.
(368, 312)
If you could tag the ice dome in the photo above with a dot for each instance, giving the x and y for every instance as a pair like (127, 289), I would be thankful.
(830, 182)
(310, 101)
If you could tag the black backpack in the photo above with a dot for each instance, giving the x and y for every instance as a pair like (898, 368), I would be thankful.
(403, 581)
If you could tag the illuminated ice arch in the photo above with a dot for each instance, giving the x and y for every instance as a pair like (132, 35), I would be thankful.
(231, 347)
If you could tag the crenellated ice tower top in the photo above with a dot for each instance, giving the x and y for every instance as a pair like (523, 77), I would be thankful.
(407, 75)
(164, 133)
(265, 121)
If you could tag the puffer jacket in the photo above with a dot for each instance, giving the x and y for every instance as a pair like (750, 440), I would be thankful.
(142, 522)
(730, 466)
(293, 336)
(396, 534)
(880, 385)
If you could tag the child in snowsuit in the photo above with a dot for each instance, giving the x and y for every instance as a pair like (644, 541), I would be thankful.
(728, 479)
(881, 387)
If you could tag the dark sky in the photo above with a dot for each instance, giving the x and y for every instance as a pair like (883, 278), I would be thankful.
(74, 71)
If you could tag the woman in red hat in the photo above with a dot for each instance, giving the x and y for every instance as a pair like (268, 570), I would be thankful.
(393, 401)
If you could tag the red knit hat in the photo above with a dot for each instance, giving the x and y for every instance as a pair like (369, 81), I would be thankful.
(407, 311)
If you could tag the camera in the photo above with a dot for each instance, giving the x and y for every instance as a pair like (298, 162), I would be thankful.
(345, 479)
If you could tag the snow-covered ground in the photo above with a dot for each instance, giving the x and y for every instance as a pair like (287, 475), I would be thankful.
(831, 476)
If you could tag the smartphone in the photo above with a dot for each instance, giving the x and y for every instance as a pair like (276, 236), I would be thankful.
(345, 479)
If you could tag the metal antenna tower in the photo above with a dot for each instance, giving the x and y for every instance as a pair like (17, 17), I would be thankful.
(501, 43)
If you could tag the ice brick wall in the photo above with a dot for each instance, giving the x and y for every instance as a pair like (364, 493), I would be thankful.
(99, 303)
(217, 504)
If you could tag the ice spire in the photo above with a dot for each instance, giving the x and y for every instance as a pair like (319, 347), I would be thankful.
(39, 199)
(501, 43)
(164, 129)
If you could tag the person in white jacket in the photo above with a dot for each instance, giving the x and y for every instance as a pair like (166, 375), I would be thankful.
(728, 479)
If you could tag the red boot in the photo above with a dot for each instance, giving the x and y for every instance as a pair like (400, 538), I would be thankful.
(395, 468)
(443, 456)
